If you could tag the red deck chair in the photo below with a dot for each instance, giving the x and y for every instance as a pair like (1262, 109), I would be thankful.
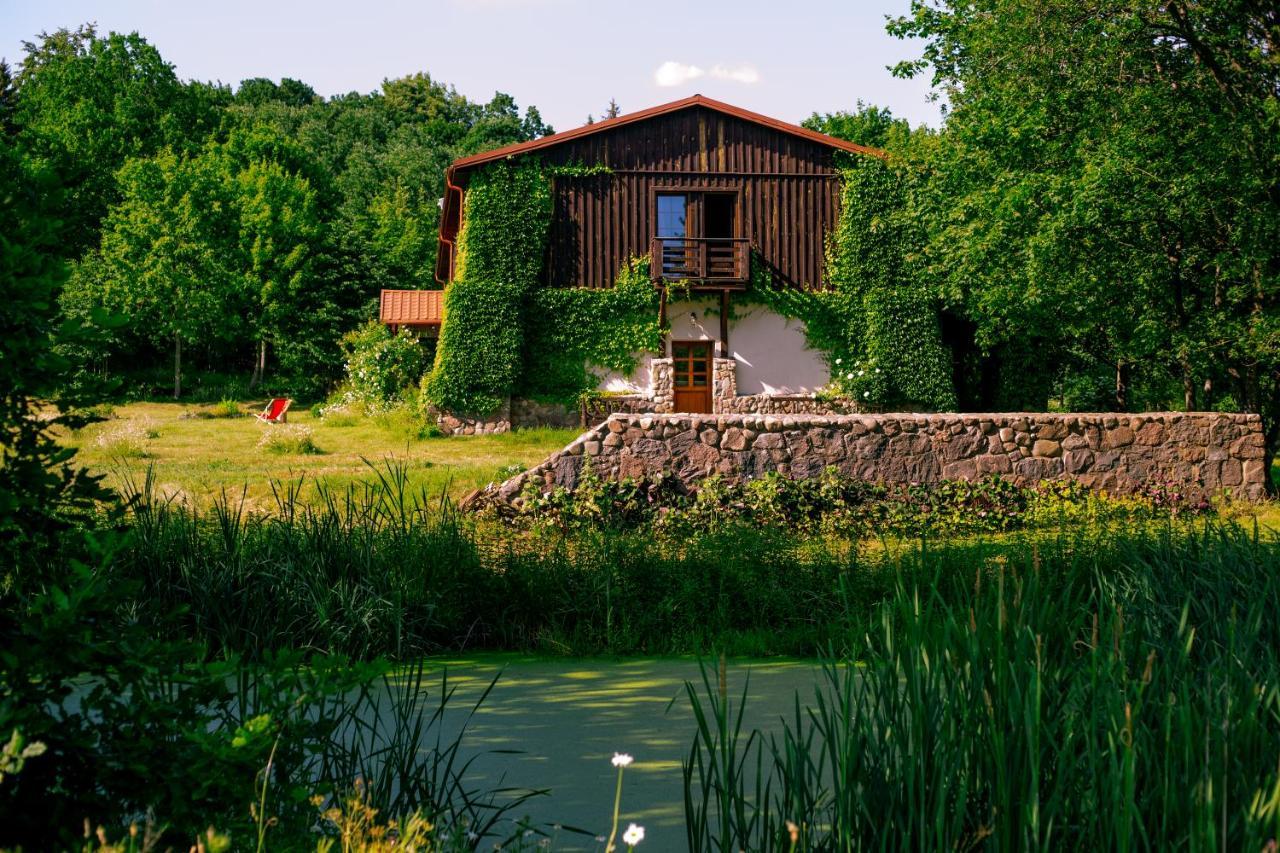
(276, 412)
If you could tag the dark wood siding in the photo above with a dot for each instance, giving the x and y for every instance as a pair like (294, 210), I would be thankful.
(788, 193)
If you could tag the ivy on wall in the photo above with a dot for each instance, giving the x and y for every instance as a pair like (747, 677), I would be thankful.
(572, 329)
(876, 324)
(501, 247)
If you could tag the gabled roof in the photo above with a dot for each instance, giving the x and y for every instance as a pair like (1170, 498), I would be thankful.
(411, 307)
(663, 109)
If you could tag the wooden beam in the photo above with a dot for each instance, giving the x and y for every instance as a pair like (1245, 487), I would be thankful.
(724, 324)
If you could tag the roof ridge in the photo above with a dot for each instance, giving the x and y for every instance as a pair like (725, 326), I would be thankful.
(696, 100)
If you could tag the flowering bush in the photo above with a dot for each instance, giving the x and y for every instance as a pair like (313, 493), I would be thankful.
(382, 369)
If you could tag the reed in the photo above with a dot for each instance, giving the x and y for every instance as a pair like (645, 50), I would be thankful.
(1114, 691)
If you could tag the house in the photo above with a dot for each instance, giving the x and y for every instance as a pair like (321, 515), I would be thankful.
(715, 196)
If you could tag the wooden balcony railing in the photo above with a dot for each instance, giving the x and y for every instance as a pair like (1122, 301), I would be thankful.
(711, 259)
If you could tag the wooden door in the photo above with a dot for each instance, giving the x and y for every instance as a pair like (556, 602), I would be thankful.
(691, 372)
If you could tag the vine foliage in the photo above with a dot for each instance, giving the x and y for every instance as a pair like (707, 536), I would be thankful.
(574, 329)
(877, 324)
(501, 247)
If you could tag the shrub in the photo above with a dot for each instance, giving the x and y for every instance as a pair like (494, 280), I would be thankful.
(379, 366)
(834, 503)
(288, 438)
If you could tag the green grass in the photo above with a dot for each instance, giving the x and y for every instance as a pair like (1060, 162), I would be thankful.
(196, 458)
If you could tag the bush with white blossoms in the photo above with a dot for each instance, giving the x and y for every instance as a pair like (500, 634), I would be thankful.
(380, 367)
(860, 380)
(288, 438)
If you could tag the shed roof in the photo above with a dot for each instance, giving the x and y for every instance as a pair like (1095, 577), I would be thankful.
(411, 307)
(651, 112)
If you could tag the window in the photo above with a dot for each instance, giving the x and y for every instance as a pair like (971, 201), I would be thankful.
(672, 215)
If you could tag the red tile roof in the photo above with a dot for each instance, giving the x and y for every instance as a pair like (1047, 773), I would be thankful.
(411, 307)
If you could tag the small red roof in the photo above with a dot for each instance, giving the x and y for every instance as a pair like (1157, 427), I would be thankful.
(641, 115)
(411, 307)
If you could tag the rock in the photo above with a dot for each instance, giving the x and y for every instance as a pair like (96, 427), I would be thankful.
(1045, 447)
(710, 437)
(733, 439)
(1120, 436)
(1150, 434)
(591, 448)
(1077, 461)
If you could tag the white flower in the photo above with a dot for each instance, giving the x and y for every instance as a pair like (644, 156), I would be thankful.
(877, 370)
(862, 373)
(866, 393)
(848, 376)
(621, 759)
(633, 836)
(837, 361)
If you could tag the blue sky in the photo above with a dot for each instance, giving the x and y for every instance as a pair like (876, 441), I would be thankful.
(785, 58)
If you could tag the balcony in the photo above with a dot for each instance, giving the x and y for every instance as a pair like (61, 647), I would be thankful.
(702, 261)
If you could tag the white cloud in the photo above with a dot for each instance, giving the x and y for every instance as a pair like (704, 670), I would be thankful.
(672, 73)
(738, 73)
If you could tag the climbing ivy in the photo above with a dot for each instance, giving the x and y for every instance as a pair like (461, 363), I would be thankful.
(572, 329)
(876, 323)
(501, 247)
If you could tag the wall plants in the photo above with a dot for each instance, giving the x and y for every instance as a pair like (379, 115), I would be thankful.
(500, 254)
(877, 322)
(576, 329)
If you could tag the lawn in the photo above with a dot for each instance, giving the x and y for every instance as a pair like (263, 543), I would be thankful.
(198, 458)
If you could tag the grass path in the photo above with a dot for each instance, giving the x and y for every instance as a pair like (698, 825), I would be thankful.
(198, 458)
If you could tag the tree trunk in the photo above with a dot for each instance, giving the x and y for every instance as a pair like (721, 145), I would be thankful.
(1122, 386)
(177, 367)
(1188, 389)
(1207, 399)
(259, 365)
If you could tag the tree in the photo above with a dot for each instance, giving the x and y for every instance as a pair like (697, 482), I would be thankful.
(257, 91)
(613, 110)
(1110, 177)
(86, 103)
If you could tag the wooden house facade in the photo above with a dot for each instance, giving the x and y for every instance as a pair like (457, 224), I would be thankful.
(706, 190)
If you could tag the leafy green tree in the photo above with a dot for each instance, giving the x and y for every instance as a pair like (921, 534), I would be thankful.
(260, 90)
(85, 104)
(1110, 178)
(167, 260)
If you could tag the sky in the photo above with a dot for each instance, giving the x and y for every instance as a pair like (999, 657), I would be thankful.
(784, 58)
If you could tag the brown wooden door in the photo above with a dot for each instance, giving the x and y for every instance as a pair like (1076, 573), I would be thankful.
(691, 369)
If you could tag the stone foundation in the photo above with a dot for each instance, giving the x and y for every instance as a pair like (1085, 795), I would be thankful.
(784, 404)
(532, 413)
(452, 423)
(1198, 453)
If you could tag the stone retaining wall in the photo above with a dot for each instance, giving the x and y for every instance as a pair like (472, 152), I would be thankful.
(1199, 453)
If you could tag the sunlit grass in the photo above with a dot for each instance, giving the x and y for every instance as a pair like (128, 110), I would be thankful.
(197, 458)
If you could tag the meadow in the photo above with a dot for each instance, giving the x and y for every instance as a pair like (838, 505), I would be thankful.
(196, 452)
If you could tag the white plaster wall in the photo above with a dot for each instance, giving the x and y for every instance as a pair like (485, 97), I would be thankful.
(771, 352)
(689, 321)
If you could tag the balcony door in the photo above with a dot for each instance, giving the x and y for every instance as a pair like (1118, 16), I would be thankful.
(691, 372)
(696, 235)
